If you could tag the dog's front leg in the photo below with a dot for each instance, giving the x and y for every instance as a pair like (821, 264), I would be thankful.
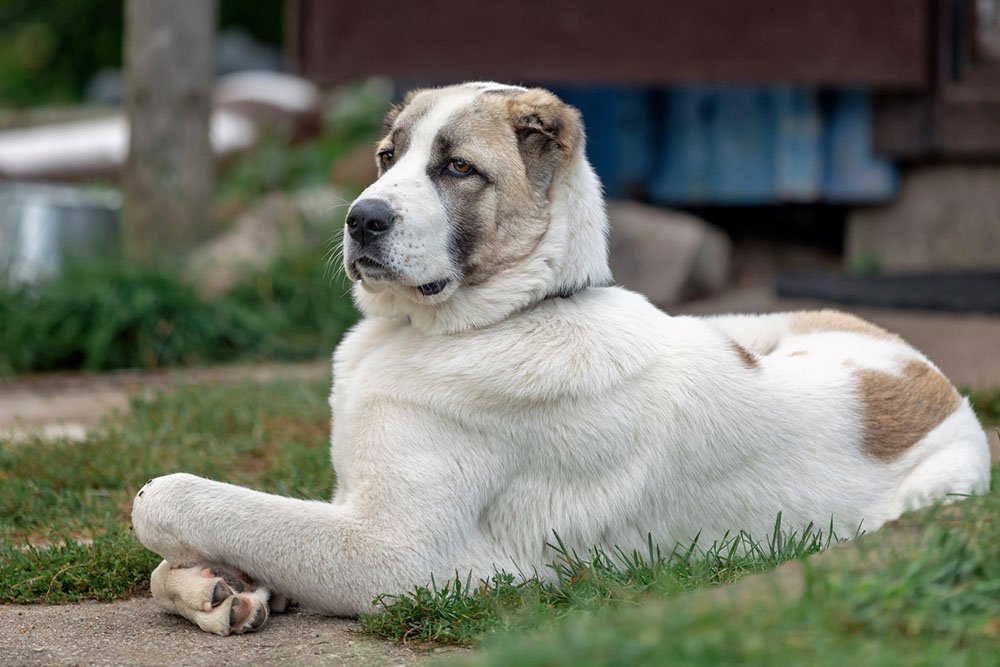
(334, 558)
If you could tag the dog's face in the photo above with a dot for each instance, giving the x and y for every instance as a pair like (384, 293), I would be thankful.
(463, 189)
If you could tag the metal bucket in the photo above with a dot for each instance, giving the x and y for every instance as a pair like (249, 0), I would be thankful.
(45, 228)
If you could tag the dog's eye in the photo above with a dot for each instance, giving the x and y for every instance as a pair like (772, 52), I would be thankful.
(385, 158)
(459, 167)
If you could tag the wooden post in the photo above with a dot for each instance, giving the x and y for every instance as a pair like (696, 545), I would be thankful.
(169, 176)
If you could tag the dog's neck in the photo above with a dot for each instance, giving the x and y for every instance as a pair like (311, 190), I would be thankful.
(572, 255)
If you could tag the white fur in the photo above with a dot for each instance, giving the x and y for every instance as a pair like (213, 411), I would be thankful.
(466, 432)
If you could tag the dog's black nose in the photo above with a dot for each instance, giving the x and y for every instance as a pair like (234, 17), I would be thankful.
(368, 220)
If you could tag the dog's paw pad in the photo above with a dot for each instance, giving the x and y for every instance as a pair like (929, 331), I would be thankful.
(247, 613)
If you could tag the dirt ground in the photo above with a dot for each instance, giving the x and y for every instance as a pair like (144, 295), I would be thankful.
(137, 632)
(966, 347)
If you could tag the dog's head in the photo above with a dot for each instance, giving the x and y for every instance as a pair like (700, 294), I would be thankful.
(484, 204)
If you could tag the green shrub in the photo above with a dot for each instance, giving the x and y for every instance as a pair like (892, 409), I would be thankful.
(126, 316)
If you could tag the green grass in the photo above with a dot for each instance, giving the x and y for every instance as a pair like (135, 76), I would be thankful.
(461, 612)
(924, 592)
(272, 437)
(113, 567)
(986, 403)
(122, 316)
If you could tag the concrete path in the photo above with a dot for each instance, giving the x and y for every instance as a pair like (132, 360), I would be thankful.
(137, 632)
(68, 404)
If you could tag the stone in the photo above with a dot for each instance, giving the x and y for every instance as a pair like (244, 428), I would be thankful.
(274, 225)
(666, 255)
(947, 218)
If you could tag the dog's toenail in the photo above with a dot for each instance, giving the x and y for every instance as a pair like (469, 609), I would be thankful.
(259, 618)
(219, 593)
(141, 492)
(234, 611)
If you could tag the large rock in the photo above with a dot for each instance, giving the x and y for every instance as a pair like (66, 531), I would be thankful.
(668, 256)
(276, 224)
(947, 217)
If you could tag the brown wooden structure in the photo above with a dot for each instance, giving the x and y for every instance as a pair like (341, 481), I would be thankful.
(937, 95)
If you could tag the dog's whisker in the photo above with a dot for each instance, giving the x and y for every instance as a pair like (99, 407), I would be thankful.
(334, 207)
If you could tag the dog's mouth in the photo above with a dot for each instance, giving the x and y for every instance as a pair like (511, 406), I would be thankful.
(366, 267)
(372, 270)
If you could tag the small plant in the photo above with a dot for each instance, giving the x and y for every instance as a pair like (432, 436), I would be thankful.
(986, 403)
(113, 567)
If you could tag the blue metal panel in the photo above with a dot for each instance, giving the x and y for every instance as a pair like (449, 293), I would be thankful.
(852, 172)
(798, 151)
(742, 140)
(733, 145)
(618, 134)
(717, 147)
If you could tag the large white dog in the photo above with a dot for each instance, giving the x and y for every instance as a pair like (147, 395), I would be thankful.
(501, 389)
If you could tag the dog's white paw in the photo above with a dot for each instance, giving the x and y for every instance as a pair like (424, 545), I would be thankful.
(217, 600)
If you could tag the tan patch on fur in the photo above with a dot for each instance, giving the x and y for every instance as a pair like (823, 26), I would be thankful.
(899, 410)
(797, 353)
(820, 321)
(746, 358)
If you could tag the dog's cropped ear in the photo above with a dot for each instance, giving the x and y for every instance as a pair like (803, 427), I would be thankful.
(549, 132)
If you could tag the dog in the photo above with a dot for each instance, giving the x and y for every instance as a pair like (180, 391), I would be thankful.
(501, 390)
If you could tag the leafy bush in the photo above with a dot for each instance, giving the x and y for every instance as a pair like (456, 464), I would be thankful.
(125, 316)
(274, 163)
